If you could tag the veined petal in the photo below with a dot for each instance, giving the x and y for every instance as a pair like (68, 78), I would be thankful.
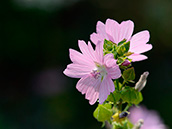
(99, 53)
(139, 38)
(104, 90)
(101, 30)
(89, 85)
(114, 72)
(85, 50)
(95, 38)
(110, 84)
(137, 57)
(142, 48)
(79, 58)
(126, 30)
(109, 60)
(112, 30)
(77, 70)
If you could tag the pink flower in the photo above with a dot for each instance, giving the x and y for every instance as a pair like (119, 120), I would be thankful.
(116, 32)
(150, 117)
(95, 70)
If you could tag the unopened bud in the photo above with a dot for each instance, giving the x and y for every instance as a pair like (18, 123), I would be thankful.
(138, 124)
(142, 81)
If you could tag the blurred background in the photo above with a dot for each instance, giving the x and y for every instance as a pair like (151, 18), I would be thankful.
(34, 42)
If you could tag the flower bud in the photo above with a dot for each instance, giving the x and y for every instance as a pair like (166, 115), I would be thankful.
(142, 81)
(126, 63)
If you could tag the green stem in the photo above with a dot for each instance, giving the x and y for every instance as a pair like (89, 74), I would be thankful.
(127, 107)
(117, 84)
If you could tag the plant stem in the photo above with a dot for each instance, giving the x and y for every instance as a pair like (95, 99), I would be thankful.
(127, 107)
(117, 84)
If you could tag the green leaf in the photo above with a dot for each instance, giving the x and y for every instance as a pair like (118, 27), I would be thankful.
(129, 74)
(103, 112)
(114, 97)
(130, 95)
(123, 48)
(139, 97)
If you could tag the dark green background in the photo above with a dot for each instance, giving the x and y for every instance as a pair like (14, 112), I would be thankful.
(34, 43)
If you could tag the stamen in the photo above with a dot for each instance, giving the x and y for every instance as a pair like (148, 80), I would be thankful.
(95, 74)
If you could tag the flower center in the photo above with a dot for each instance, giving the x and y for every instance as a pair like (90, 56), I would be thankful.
(99, 72)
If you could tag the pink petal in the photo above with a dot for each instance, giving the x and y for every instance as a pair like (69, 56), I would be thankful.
(110, 84)
(85, 50)
(95, 38)
(100, 35)
(99, 53)
(137, 57)
(105, 86)
(126, 30)
(109, 60)
(101, 31)
(141, 49)
(90, 86)
(112, 30)
(77, 70)
(114, 72)
(112, 68)
(139, 38)
(91, 51)
(79, 58)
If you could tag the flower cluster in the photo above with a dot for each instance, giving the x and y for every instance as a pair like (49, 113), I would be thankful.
(99, 71)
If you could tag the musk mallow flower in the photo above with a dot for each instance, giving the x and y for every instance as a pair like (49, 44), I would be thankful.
(95, 70)
(151, 119)
(116, 32)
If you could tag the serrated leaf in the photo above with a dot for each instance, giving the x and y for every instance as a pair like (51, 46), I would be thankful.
(103, 112)
(129, 74)
(130, 95)
(114, 97)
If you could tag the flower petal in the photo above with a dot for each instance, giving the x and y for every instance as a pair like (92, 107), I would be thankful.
(90, 86)
(114, 72)
(77, 70)
(95, 38)
(101, 31)
(100, 35)
(142, 48)
(105, 86)
(99, 53)
(112, 68)
(109, 60)
(112, 30)
(78, 58)
(126, 30)
(137, 57)
(139, 38)
(85, 50)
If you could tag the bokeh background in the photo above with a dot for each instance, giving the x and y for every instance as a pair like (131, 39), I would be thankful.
(34, 42)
